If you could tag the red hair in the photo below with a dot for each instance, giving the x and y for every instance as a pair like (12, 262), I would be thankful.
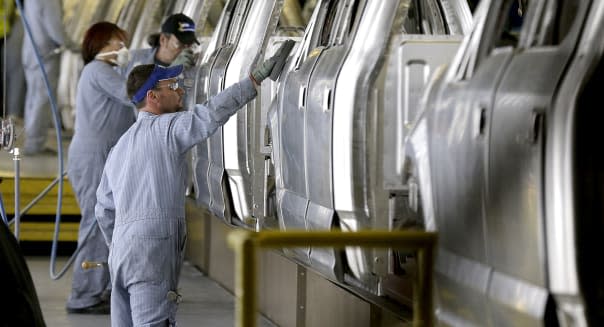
(97, 37)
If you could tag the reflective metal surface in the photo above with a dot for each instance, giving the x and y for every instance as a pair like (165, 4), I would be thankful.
(233, 156)
(334, 106)
(492, 156)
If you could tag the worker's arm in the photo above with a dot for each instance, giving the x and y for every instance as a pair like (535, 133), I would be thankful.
(105, 208)
(112, 84)
(192, 127)
(198, 124)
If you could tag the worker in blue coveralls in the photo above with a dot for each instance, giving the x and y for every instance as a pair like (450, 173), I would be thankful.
(171, 47)
(103, 113)
(45, 20)
(141, 198)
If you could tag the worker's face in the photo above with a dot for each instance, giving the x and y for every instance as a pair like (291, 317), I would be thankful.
(170, 95)
(114, 44)
(172, 45)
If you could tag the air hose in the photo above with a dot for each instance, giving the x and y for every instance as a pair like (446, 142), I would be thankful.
(57, 124)
(2, 211)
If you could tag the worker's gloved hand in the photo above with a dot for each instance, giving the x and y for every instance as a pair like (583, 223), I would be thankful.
(273, 66)
(185, 58)
(263, 71)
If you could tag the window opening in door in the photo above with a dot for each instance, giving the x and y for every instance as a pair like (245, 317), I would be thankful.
(512, 21)
(328, 24)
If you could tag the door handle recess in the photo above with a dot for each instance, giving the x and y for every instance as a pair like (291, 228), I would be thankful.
(302, 98)
(536, 126)
(481, 121)
(327, 99)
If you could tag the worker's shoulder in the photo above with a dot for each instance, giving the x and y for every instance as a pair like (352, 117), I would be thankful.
(96, 69)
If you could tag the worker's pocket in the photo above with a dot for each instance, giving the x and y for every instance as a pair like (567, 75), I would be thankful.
(153, 250)
(151, 258)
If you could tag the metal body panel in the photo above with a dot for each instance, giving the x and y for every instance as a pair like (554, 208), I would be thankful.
(355, 137)
(318, 123)
(461, 290)
(288, 110)
(208, 155)
(234, 149)
(328, 126)
(574, 278)
(215, 142)
(482, 146)
(198, 10)
(203, 89)
(412, 60)
(128, 15)
(305, 114)
(201, 158)
(514, 302)
(514, 211)
(264, 184)
(243, 159)
(370, 125)
(458, 143)
(296, 211)
(325, 260)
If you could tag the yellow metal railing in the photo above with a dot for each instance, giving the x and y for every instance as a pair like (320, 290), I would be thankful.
(247, 243)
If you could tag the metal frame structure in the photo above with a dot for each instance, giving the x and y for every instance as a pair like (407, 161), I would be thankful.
(246, 245)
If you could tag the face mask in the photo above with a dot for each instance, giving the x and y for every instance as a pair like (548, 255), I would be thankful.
(122, 59)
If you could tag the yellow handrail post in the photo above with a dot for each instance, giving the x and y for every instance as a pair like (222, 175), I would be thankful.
(422, 297)
(244, 243)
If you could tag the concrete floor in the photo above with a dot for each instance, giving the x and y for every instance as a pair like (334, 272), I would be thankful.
(204, 303)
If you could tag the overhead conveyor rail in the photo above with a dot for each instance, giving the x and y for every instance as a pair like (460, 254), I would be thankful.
(247, 244)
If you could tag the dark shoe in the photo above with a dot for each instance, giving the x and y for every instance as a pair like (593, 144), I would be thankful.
(101, 308)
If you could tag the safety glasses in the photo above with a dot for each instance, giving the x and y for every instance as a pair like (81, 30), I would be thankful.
(172, 86)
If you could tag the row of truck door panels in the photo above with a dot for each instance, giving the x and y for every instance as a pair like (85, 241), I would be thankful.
(381, 104)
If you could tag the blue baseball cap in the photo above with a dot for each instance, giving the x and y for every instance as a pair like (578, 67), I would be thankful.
(159, 73)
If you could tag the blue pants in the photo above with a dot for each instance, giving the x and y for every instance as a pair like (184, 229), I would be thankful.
(145, 261)
(84, 171)
(38, 114)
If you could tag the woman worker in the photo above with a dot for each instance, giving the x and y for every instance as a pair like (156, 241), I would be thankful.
(103, 114)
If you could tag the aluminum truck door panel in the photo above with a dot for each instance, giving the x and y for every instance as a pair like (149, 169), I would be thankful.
(458, 138)
(215, 142)
(516, 168)
(290, 115)
(242, 159)
(201, 152)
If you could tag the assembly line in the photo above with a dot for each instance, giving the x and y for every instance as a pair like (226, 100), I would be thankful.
(468, 125)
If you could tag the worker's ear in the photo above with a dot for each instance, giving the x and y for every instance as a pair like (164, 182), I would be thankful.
(164, 38)
(152, 97)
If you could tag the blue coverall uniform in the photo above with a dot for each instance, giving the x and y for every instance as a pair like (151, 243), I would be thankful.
(103, 114)
(141, 206)
(45, 20)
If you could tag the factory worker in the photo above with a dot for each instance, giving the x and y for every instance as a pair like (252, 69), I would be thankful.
(46, 23)
(103, 114)
(141, 197)
(170, 47)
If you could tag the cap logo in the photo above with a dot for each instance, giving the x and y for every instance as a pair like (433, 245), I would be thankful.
(186, 27)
